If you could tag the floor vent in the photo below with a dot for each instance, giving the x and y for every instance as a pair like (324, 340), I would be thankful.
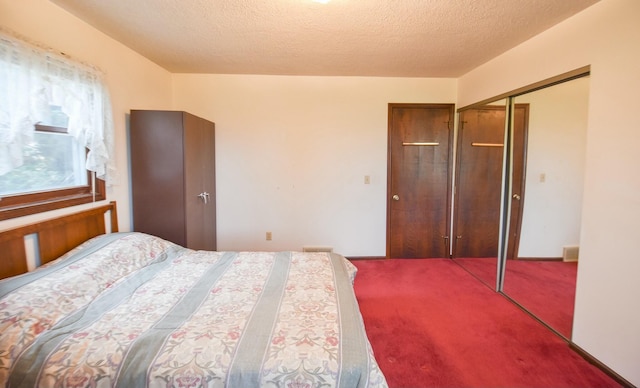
(317, 249)
(570, 253)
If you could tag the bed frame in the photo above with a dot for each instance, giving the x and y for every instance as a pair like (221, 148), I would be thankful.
(54, 237)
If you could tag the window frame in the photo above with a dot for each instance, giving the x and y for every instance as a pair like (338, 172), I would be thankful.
(18, 205)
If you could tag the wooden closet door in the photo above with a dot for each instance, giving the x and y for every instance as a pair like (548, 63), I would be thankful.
(419, 180)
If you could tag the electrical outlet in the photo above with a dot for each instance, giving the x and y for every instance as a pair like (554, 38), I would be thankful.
(269, 236)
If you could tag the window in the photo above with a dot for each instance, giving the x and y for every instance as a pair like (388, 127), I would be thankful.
(53, 174)
(56, 135)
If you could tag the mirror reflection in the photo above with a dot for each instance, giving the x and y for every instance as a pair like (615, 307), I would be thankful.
(546, 195)
(479, 178)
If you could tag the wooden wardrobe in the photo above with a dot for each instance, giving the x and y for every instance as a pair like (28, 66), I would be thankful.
(173, 177)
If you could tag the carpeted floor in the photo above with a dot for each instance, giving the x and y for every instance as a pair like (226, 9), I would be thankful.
(432, 324)
(546, 288)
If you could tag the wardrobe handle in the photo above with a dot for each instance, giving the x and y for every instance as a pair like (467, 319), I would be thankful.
(396, 197)
(204, 196)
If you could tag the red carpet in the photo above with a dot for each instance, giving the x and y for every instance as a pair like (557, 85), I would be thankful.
(432, 324)
(484, 268)
(545, 288)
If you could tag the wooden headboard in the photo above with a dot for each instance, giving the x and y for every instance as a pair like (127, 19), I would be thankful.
(55, 237)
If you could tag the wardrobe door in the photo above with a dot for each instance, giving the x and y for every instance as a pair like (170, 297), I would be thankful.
(199, 160)
(209, 179)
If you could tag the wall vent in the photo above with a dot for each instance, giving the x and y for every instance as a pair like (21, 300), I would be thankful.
(317, 249)
(570, 253)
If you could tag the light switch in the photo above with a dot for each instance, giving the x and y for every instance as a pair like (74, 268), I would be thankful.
(543, 177)
(367, 179)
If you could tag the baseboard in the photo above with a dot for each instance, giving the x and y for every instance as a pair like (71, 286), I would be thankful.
(366, 258)
(592, 360)
(540, 258)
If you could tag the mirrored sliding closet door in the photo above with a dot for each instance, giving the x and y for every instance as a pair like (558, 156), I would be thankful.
(546, 184)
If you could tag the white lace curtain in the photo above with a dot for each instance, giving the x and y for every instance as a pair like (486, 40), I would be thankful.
(31, 80)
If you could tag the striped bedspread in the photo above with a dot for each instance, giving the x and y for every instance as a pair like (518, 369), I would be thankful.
(133, 310)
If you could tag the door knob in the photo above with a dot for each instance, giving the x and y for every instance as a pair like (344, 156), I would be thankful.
(516, 196)
(396, 197)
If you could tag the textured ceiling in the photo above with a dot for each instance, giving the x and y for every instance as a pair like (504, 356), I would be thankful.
(403, 38)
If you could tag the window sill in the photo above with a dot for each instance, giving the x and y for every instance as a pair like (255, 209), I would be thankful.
(10, 208)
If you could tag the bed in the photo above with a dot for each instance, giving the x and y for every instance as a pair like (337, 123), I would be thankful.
(132, 310)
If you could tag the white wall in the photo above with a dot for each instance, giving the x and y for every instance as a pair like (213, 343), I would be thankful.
(292, 154)
(133, 81)
(605, 36)
(556, 146)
